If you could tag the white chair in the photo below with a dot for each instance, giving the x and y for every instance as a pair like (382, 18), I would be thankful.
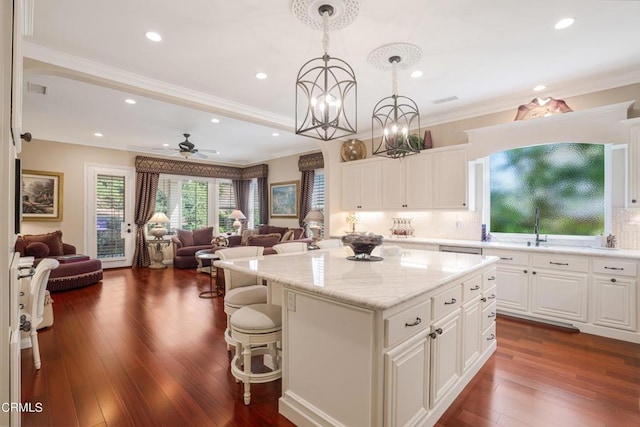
(34, 310)
(327, 244)
(290, 247)
(257, 329)
(241, 289)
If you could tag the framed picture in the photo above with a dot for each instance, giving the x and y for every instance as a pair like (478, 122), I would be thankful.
(284, 199)
(41, 195)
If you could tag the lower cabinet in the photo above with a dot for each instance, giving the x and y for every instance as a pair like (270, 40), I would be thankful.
(407, 372)
(615, 302)
(559, 294)
(471, 339)
(445, 355)
(513, 287)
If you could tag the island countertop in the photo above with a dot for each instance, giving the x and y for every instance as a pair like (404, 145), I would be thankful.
(377, 285)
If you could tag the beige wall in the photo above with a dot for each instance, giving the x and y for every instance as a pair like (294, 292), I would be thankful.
(70, 159)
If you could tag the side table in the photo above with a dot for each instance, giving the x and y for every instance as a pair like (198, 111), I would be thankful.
(211, 293)
(155, 248)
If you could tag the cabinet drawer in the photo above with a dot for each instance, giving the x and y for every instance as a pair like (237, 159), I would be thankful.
(471, 288)
(447, 301)
(615, 267)
(488, 316)
(489, 297)
(561, 262)
(403, 325)
(488, 337)
(489, 279)
(509, 257)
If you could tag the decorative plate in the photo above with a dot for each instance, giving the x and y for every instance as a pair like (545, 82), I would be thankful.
(353, 150)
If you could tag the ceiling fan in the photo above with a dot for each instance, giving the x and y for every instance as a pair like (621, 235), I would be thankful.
(188, 149)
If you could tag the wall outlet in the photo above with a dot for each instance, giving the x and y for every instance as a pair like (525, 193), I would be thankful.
(291, 301)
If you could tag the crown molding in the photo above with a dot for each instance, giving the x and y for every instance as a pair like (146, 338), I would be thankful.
(105, 75)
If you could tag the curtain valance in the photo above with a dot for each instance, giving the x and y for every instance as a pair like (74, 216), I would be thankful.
(310, 162)
(179, 167)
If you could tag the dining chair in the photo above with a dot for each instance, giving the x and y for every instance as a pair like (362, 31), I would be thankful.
(290, 247)
(32, 314)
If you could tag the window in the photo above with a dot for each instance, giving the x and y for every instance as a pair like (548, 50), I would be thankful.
(110, 214)
(566, 181)
(191, 203)
(317, 195)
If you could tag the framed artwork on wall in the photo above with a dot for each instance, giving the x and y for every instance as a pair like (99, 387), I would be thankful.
(283, 200)
(41, 195)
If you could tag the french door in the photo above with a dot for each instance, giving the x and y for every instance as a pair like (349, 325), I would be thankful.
(110, 204)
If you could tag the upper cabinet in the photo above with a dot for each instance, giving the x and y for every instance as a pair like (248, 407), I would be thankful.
(361, 185)
(634, 162)
(433, 179)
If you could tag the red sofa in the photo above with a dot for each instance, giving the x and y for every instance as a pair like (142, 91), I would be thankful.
(186, 243)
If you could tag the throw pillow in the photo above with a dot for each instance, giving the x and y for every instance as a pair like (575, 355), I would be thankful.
(186, 237)
(53, 240)
(37, 250)
(202, 236)
(298, 233)
(287, 236)
(245, 236)
(279, 230)
(266, 240)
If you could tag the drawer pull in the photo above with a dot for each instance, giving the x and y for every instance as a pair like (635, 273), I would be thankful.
(558, 263)
(506, 259)
(613, 280)
(492, 278)
(21, 293)
(439, 331)
(416, 323)
(492, 314)
(491, 337)
(21, 306)
(453, 301)
(492, 296)
(475, 288)
(433, 335)
(614, 268)
(483, 299)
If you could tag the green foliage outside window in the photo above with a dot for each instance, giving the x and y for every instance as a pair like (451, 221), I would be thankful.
(195, 205)
(565, 181)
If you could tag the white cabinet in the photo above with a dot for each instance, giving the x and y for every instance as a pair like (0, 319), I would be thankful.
(450, 179)
(512, 279)
(559, 294)
(471, 333)
(445, 356)
(419, 181)
(634, 162)
(407, 374)
(393, 184)
(614, 293)
(362, 185)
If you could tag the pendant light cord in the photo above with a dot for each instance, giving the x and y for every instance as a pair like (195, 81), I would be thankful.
(394, 78)
(325, 32)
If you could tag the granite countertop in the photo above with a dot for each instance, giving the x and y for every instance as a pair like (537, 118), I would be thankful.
(544, 248)
(375, 285)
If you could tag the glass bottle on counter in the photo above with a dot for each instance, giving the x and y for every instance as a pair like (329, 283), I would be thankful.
(402, 227)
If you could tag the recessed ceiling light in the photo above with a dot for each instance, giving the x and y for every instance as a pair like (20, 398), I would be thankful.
(153, 36)
(539, 88)
(130, 101)
(261, 76)
(215, 120)
(275, 134)
(564, 23)
(98, 134)
(416, 74)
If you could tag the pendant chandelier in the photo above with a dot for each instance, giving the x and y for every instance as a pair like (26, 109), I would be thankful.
(396, 116)
(326, 88)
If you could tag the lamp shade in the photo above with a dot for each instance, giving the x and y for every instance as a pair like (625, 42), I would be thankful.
(237, 214)
(314, 215)
(159, 217)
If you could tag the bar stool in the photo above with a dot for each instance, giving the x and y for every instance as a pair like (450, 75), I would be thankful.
(256, 328)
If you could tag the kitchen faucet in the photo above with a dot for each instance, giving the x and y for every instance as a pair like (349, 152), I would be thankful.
(536, 228)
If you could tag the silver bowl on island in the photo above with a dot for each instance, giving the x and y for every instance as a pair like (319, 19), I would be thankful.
(362, 244)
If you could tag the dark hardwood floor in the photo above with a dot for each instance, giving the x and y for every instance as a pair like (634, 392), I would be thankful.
(141, 349)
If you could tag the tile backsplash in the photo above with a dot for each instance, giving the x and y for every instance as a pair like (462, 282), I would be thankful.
(626, 227)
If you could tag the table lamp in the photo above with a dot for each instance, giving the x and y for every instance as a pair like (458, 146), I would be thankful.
(314, 216)
(158, 231)
(237, 215)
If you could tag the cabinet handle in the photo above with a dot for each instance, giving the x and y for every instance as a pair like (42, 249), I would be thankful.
(453, 301)
(524, 271)
(506, 259)
(475, 288)
(533, 272)
(416, 323)
(21, 306)
(614, 268)
(433, 335)
(21, 293)
(613, 280)
(492, 296)
(492, 314)
(483, 299)
(439, 331)
(491, 337)
(558, 263)
(492, 278)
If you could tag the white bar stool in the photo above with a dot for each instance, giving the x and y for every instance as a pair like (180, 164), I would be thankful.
(256, 328)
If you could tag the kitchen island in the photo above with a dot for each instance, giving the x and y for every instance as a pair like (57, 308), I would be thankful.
(387, 343)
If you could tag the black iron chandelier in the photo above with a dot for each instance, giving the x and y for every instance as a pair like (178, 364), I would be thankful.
(326, 93)
(396, 116)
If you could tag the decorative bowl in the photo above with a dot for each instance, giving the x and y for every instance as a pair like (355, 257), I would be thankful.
(362, 245)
